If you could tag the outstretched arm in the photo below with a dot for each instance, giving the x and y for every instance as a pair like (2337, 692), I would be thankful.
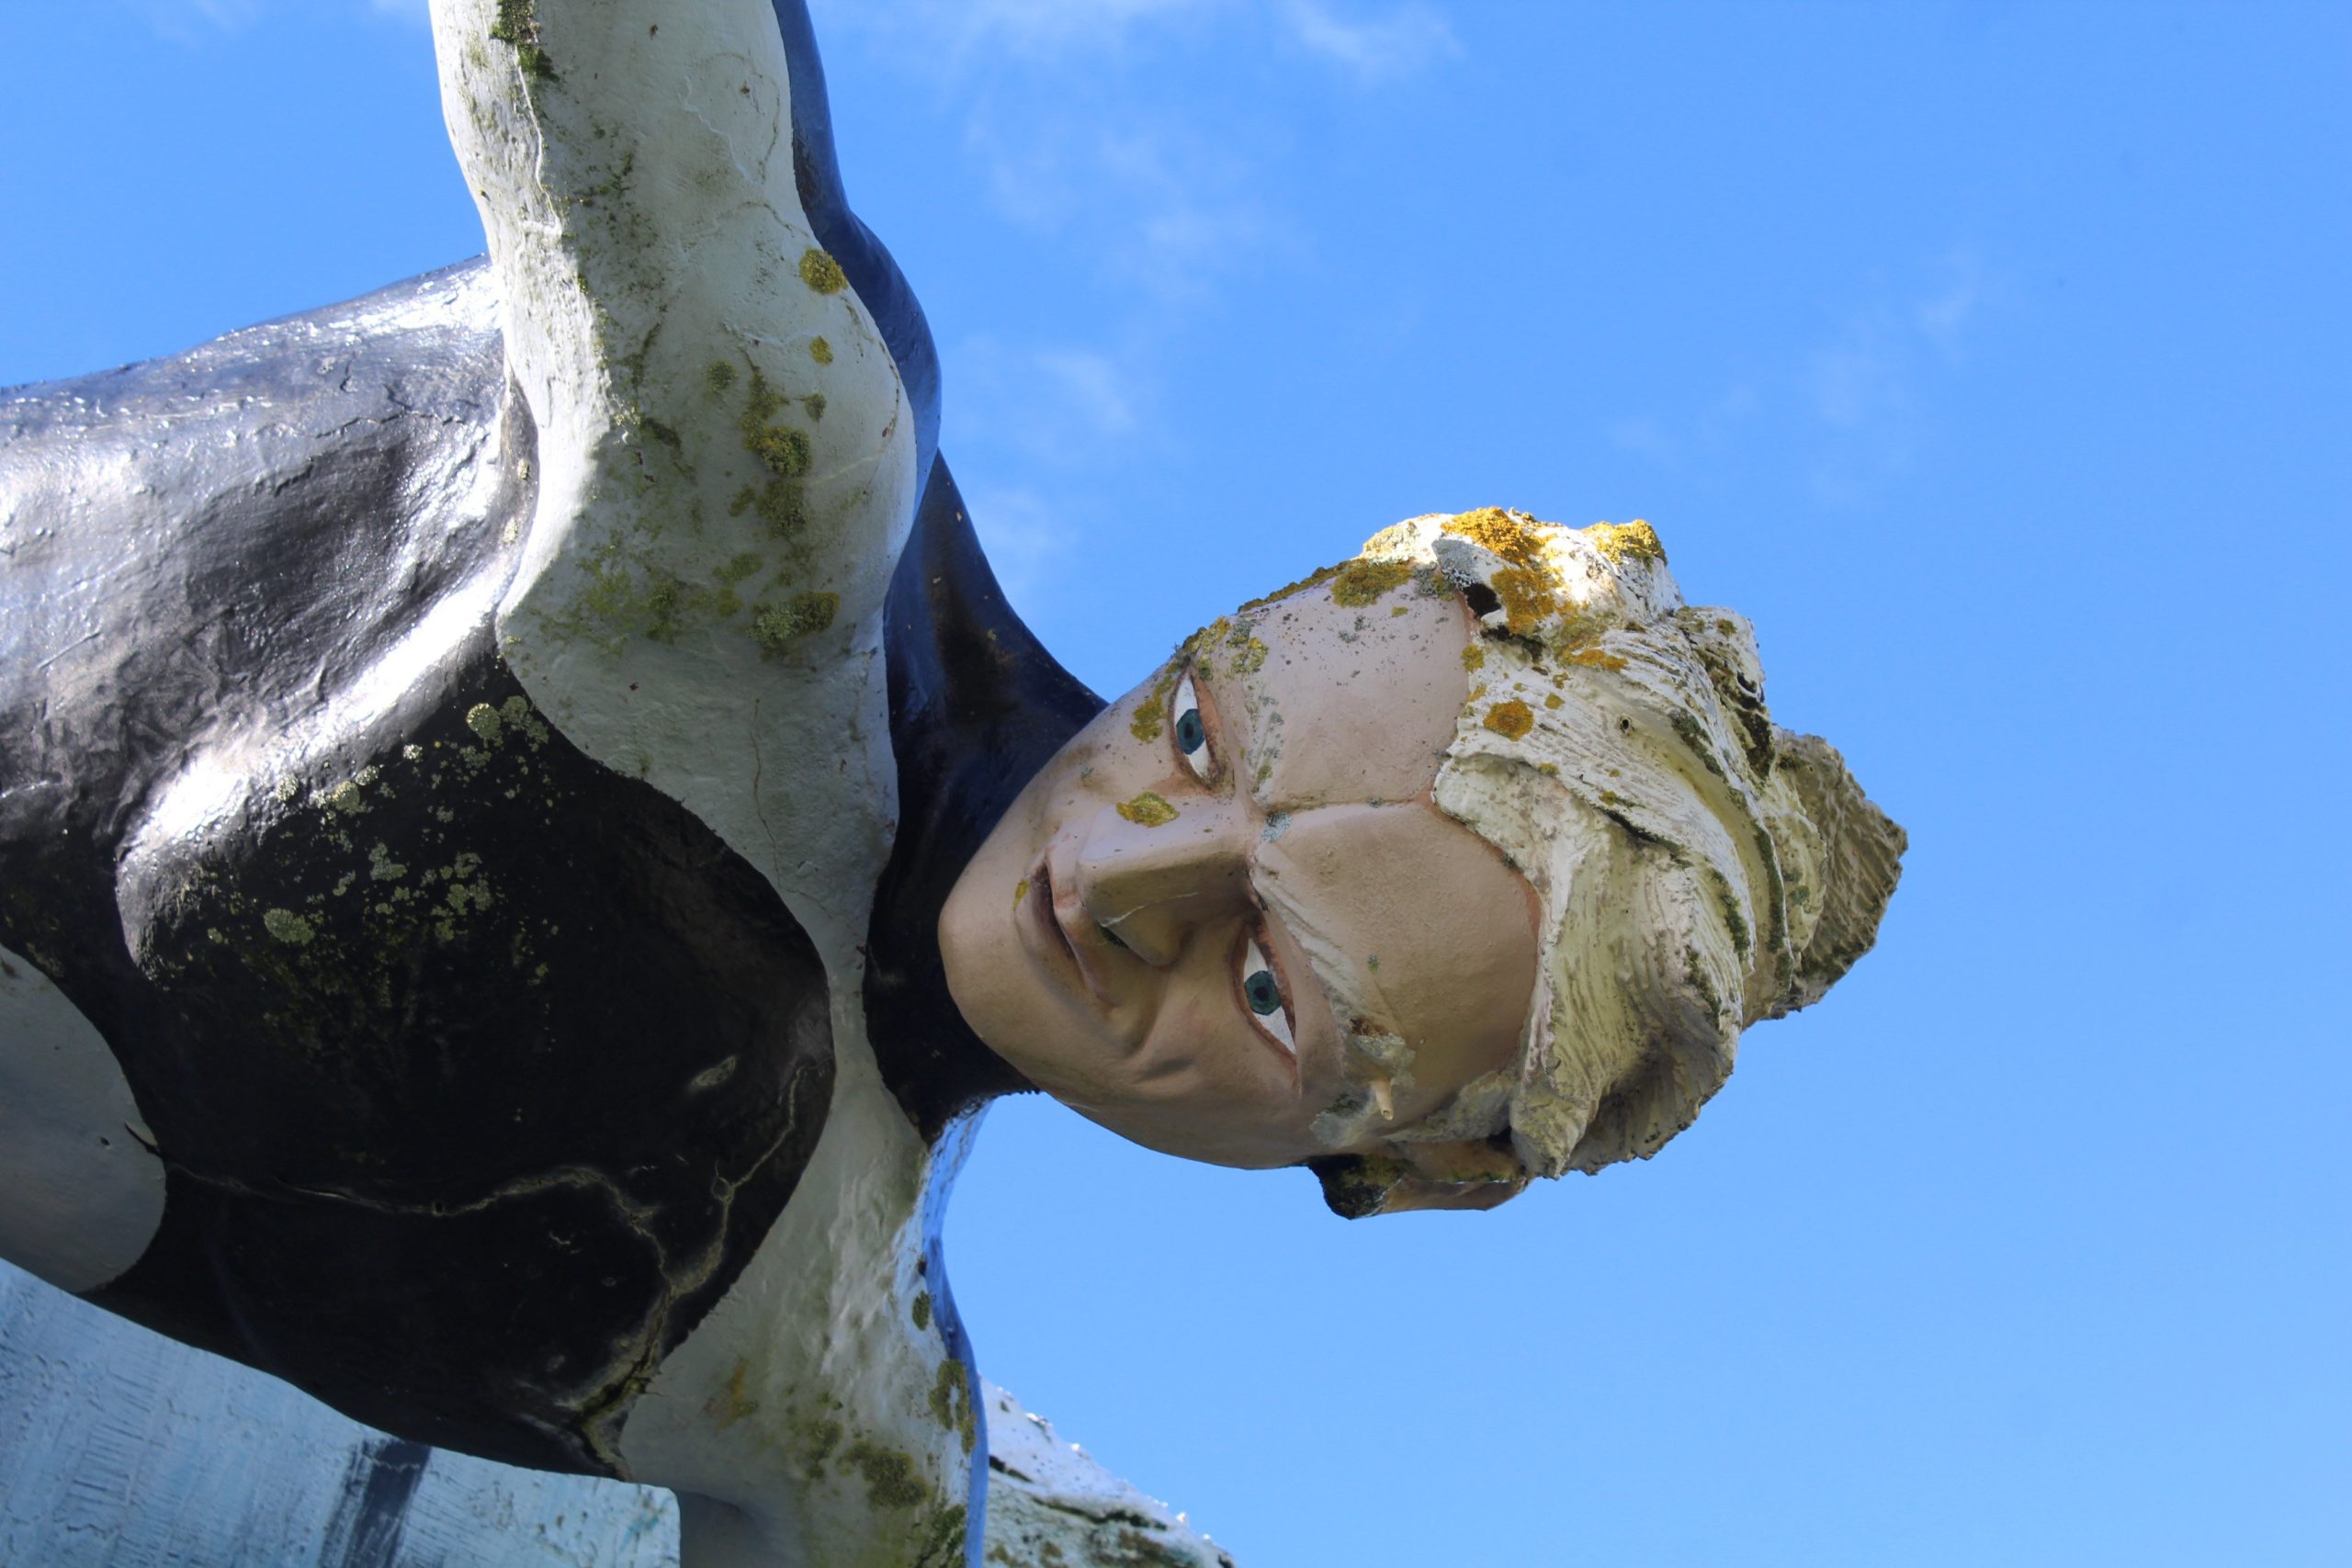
(727, 454)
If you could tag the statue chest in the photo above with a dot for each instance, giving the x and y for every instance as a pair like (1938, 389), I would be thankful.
(478, 1071)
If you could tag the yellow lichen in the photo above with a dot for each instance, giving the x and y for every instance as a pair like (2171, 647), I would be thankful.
(1362, 582)
(1621, 542)
(820, 351)
(1552, 699)
(1511, 719)
(1148, 810)
(1020, 891)
(821, 272)
(1313, 579)
(1251, 655)
(1473, 658)
(1596, 659)
(1527, 595)
(1149, 714)
(1505, 534)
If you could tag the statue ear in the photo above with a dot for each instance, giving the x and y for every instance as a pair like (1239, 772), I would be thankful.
(1859, 862)
(1468, 1175)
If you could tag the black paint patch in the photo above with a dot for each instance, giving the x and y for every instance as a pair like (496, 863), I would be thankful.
(976, 707)
(478, 1069)
(371, 1510)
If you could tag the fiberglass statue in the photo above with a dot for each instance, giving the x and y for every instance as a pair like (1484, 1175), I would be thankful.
(527, 832)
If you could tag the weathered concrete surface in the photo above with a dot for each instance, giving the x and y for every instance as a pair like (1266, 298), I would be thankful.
(120, 1449)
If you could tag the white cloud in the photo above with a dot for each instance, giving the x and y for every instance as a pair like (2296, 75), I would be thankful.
(1027, 538)
(1378, 50)
(1066, 406)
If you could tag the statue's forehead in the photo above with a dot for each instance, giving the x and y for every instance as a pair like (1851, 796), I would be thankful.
(1339, 694)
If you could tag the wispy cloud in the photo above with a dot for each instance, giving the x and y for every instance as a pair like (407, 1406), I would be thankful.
(1065, 408)
(1859, 401)
(1378, 49)
(1871, 382)
(1027, 538)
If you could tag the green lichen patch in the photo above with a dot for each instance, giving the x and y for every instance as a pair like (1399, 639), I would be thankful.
(518, 23)
(819, 1437)
(777, 627)
(950, 1402)
(1362, 582)
(820, 351)
(784, 450)
(745, 565)
(719, 377)
(820, 272)
(1312, 580)
(815, 403)
(922, 1298)
(891, 1478)
(1148, 810)
(288, 927)
(942, 1538)
(776, 503)
(485, 721)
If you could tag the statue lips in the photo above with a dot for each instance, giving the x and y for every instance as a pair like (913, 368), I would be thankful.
(1061, 936)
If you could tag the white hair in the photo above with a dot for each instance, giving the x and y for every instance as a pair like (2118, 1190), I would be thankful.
(1697, 866)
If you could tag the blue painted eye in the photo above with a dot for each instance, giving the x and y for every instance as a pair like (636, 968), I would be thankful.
(1262, 992)
(1192, 734)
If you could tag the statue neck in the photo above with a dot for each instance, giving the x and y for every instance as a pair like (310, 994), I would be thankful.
(977, 706)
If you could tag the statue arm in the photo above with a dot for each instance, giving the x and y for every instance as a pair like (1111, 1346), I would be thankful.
(726, 454)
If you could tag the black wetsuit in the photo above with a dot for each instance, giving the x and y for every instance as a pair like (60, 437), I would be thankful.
(478, 1070)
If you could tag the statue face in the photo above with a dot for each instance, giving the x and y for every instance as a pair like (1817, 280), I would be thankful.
(1157, 930)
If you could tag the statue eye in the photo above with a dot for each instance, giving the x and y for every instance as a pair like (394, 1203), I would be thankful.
(1261, 993)
(1192, 734)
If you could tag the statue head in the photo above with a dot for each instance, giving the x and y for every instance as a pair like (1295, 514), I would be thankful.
(1464, 861)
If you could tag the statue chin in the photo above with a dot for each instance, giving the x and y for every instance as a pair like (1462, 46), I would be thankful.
(1226, 920)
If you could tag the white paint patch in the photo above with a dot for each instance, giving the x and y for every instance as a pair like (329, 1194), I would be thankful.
(83, 1196)
(1050, 1502)
(727, 456)
(813, 1383)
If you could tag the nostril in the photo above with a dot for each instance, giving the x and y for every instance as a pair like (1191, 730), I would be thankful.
(1113, 938)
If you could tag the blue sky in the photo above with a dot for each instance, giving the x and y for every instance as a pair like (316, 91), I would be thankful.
(1996, 358)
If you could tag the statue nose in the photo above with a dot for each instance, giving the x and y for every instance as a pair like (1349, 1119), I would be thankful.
(1149, 881)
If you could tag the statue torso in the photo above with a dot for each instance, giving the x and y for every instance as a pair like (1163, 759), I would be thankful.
(477, 1070)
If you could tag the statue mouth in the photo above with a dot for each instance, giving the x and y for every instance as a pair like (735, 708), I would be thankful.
(1060, 932)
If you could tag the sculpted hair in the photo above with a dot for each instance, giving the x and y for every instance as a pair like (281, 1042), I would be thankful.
(1697, 866)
